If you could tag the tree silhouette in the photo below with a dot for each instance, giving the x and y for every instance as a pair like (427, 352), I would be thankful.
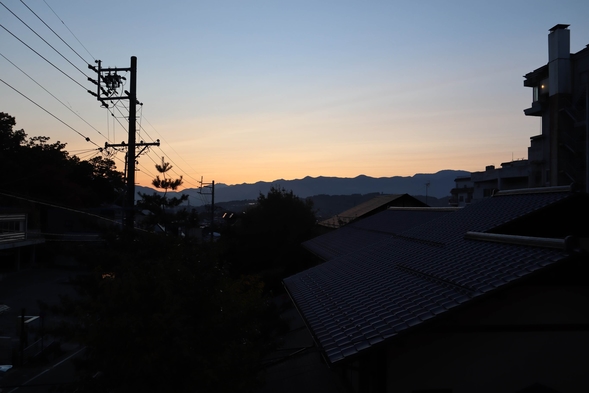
(166, 183)
(33, 167)
(159, 204)
(266, 239)
(165, 318)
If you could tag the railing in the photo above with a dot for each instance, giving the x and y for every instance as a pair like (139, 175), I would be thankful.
(13, 227)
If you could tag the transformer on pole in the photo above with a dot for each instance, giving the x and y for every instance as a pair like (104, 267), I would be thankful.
(108, 84)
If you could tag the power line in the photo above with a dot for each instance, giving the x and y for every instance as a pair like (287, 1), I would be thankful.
(55, 117)
(38, 84)
(68, 209)
(53, 31)
(37, 34)
(163, 139)
(69, 30)
(113, 115)
(41, 56)
(172, 169)
(162, 151)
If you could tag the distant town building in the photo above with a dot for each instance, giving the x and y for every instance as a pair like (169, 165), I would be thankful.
(558, 156)
(511, 175)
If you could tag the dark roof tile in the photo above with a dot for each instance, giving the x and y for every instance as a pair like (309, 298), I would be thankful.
(374, 229)
(360, 299)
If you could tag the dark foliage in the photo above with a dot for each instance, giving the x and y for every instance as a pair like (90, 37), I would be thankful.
(267, 238)
(37, 169)
(159, 315)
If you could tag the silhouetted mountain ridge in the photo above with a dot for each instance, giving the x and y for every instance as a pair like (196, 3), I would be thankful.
(440, 184)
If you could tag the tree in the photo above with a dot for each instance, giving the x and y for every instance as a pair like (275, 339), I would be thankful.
(267, 238)
(166, 318)
(159, 204)
(34, 167)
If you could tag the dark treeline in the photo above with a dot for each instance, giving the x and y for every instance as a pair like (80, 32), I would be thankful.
(158, 312)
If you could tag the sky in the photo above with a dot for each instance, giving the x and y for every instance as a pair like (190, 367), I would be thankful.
(246, 91)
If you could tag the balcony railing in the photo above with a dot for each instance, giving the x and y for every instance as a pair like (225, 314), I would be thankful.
(13, 227)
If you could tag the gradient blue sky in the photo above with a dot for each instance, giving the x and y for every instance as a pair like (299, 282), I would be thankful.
(241, 91)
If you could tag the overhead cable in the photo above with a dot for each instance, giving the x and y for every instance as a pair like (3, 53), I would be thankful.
(41, 56)
(69, 30)
(48, 92)
(45, 41)
(163, 139)
(53, 31)
(55, 117)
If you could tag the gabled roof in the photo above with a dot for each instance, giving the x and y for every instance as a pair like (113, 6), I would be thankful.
(360, 300)
(370, 207)
(370, 230)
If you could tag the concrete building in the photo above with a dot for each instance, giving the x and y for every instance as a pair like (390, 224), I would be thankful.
(511, 175)
(560, 96)
(558, 156)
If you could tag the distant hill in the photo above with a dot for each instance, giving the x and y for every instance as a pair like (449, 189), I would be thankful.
(440, 184)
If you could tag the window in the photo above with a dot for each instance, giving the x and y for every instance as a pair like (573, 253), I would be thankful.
(540, 90)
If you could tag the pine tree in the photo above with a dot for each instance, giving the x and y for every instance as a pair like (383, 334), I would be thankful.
(159, 204)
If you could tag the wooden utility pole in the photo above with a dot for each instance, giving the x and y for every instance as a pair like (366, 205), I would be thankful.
(130, 199)
(212, 186)
(108, 83)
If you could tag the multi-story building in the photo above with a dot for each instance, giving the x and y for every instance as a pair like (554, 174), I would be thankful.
(559, 156)
(511, 175)
(561, 98)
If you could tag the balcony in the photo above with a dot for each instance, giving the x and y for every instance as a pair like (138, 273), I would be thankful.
(537, 108)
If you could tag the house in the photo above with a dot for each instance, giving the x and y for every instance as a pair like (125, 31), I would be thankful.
(489, 298)
(373, 229)
(375, 205)
(16, 242)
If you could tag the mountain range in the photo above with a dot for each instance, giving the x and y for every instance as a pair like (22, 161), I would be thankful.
(436, 184)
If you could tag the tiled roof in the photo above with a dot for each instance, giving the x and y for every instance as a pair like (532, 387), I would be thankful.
(370, 230)
(361, 299)
(362, 209)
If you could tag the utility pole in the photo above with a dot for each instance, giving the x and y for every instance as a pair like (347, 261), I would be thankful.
(426, 188)
(108, 83)
(212, 187)
(132, 94)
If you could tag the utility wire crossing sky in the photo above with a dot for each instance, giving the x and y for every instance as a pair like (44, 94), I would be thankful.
(239, 92)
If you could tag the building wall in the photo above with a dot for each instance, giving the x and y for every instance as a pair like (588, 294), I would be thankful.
(491, 362)
(500, 344)
(559, 156)
(510, 176)
(462, 193)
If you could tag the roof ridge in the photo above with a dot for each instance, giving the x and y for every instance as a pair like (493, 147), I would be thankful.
(537, 190)
(534, 241)
(423, 208)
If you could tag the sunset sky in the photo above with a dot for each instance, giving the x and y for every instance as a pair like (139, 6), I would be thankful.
(242, 91)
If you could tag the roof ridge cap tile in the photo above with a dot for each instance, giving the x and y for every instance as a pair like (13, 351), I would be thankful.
(537, 190)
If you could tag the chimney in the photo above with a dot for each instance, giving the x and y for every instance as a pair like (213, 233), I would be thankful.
(559, 64)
